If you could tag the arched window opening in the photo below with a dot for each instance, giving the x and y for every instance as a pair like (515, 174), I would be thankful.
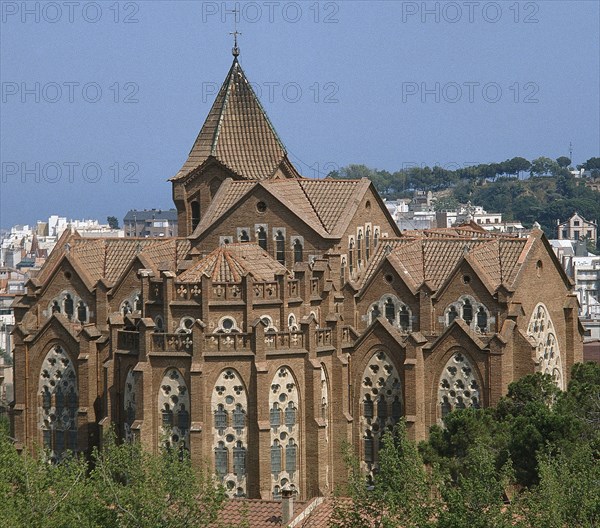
(229, 404)
(467, 312)
(292, 324)
(404, 319)
(81, 312)
(280, 247)
(244, 237)
(298, 251)
(376, 238)
(379, 388)
(482, 319)
(285, 430)
(368, 243)
(59, 401)
(173, 407)
(55, 307)
(452, 314)
(195, 214)
(69, 306)
(137, 303)
(390, 310)
(359, 240)
(126, 308)
(262, 237)
(343, 268)
(351, 256)
(547, 356)
(375, 312)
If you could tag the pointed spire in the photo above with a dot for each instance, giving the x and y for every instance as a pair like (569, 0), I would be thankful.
(238, 134)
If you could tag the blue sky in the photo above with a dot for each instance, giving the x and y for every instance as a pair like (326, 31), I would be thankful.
(101, 101)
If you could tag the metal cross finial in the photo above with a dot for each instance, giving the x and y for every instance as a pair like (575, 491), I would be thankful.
(235, 32)
(236, 49)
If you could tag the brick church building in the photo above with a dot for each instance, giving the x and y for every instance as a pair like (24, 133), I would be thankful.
(288, 317)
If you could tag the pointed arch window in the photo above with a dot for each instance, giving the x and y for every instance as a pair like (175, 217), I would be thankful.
(229, 403)
(482, 319)
(343, 268)
(55, 307)
(173, 407)
(137, 303)
(390, 310)
(459, 386)
(376, 237)
(280, 247)
(452, 314)
(262, 237)
(284, 400)
(547, 356)
(58, 403)
(195, 214)
(375, 312)
(359, 240)
(467, 312)
(404, 318)
(298, 251)
(351, 256)
(244, 237)
(380, 390)
(368, 243)
(69, 306)
(81, 312)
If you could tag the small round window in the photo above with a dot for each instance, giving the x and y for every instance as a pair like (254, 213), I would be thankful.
(261, 207)
(227, 323)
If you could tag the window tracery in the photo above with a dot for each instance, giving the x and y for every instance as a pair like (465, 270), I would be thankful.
(547, 354)
(174, 411)
(70, 304)
(472, 312)
(394, 310)
(381, 404)
(229, 403)
(459, 385)
(129, 405)
(285, 430)
(58, 403)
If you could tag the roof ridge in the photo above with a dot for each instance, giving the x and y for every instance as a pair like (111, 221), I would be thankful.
(312, 205)
(226, 85)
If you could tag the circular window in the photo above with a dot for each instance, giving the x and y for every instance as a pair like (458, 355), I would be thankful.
(261, 207)
(389, 278)
(187, 322)
(67, 275)
(466, 279)
(227, 323)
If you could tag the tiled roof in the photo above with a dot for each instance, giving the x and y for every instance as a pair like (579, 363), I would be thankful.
(228, 263)
(238, 133)
(254, 513)
(326, 206)
(108, 258)
(432, 256)
(319, 513)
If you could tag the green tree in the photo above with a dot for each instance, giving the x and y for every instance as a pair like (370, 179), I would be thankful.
(113, 222)
(563, 161)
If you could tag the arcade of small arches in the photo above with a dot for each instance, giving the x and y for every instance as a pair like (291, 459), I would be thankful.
(394, 310)
(472, 312)
(278, 239)
(361, 247)
(69, 304)
(133, 304)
